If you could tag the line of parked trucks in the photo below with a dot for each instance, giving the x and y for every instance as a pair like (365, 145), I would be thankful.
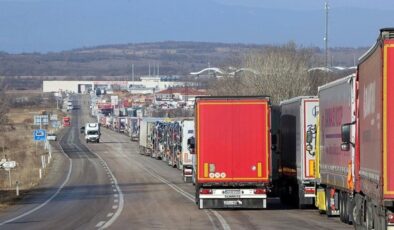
(334, 150)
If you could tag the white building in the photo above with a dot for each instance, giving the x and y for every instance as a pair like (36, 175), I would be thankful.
(82, 86)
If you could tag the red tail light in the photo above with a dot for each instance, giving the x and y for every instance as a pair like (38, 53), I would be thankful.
(390, 218)
(206, 191)
(260, 191)
(309, 190)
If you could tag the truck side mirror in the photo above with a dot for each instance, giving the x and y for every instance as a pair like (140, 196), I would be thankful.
(191, 144)
(345, 146)
(345, 134)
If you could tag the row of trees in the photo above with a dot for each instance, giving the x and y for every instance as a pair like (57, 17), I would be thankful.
(280, 72)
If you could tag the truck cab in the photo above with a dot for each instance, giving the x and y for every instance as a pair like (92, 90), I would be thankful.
(92, 132)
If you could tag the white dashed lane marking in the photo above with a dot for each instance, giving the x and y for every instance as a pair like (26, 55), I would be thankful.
(115, 207)
(110, 214)
(99, 224)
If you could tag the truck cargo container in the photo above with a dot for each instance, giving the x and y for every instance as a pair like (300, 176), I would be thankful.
(135, 128)
(145, 136)
(175, 143)
(298, 118)
(335, 171)
(232, 146)
(373, 200)
(185, 160)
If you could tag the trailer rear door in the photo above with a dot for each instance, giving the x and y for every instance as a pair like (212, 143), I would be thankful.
(233, 141)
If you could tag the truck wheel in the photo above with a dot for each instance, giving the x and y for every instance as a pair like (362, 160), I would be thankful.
(376, 221)
(342, 207)
(98, 141)
(87, 141)
(197, 196)
(368, 215)
(349, 209)
(328, 203)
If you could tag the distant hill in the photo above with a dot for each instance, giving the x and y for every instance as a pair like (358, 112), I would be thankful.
(174, 58)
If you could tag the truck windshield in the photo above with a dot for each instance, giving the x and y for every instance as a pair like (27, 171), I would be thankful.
(92, 133)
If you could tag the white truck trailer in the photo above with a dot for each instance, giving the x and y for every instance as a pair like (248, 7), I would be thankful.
(186, 164)
(147, 125)
(297, 142)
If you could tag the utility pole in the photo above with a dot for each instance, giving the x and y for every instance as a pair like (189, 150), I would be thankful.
(326, 34)
(132, 72)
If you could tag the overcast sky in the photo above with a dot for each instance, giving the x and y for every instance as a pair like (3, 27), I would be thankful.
(56, 25)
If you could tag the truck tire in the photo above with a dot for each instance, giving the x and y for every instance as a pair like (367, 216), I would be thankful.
(328, 203)
(87, 141)
(197, 195)
(349, 208)
(369, 218)
(379, 221)
(98, 141)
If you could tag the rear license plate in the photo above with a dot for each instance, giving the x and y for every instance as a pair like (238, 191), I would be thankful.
(232, 192)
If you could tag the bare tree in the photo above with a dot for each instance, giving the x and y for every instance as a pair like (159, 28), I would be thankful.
(3, 104)
(280, 72)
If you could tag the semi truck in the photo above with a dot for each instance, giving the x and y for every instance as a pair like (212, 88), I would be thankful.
(356, 147)
(335, 171)
(374, 188)
(92, 132)
(298, 117)
(232, 147)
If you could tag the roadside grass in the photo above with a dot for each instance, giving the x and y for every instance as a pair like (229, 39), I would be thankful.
(16, 144)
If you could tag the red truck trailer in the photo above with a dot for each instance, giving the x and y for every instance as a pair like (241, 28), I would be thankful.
(232, 147)
(373, 203)
(359, 178)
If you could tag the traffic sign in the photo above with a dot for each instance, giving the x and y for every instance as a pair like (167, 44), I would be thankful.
(40, 119)
(8, 165)
(53, 117)
(40, 135)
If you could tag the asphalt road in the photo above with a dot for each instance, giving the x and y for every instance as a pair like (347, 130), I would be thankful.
(109, 184)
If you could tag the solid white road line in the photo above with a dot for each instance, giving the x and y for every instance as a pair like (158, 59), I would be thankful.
(50, 198)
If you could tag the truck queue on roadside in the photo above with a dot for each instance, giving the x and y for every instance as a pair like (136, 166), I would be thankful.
(334, 150)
